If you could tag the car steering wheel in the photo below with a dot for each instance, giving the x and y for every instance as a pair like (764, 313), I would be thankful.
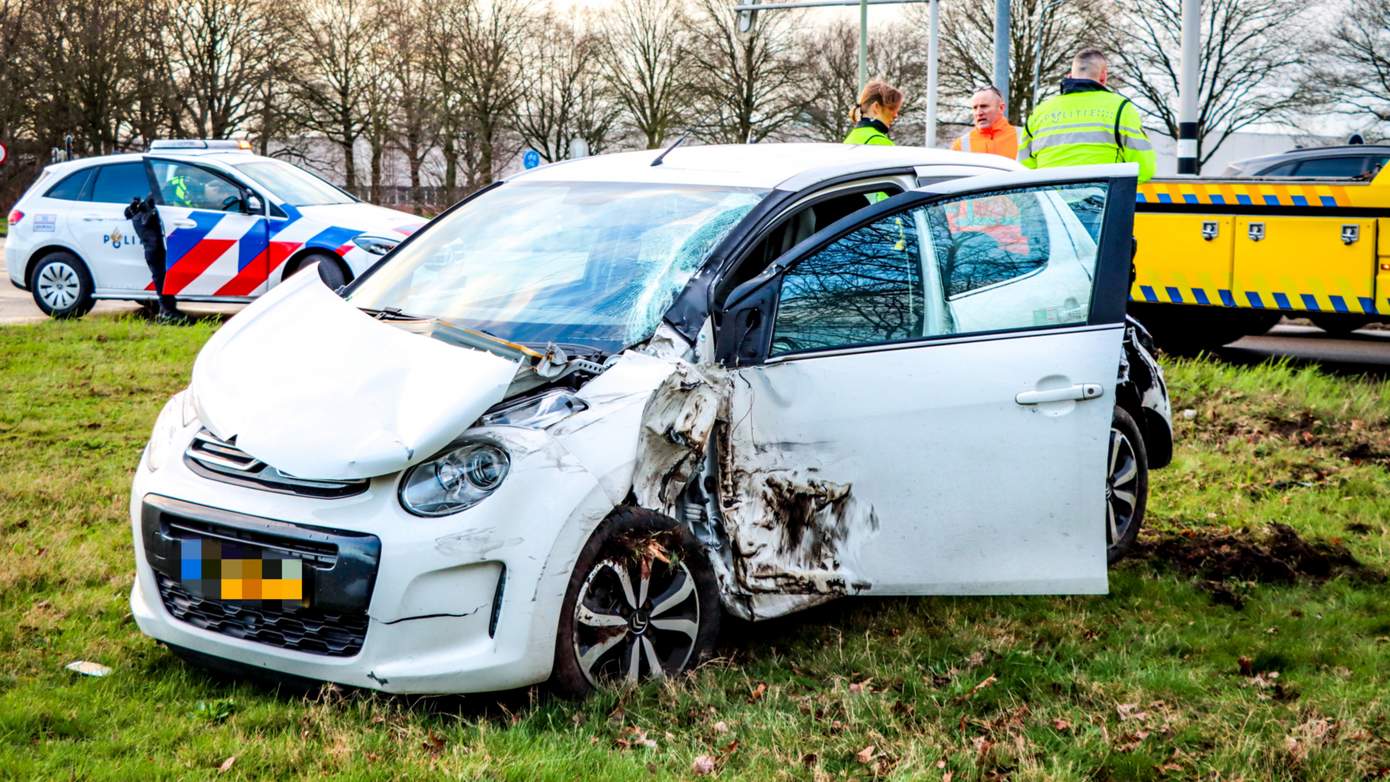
(230, 201)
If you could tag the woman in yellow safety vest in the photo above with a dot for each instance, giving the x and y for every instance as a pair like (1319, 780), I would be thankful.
(874, 114)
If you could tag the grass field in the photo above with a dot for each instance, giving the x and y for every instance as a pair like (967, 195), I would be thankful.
(1165, 678)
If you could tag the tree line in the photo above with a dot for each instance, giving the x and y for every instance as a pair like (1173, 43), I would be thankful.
(455, 90)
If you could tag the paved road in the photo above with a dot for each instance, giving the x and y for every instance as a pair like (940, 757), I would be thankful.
(1364, 351)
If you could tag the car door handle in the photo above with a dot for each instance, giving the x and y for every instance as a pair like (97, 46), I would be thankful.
(183, 223)
(1080, 391)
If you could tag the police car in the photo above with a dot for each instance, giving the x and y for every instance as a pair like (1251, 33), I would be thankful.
(236, 224)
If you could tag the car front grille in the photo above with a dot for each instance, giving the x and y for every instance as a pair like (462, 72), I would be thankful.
(283, 625)
(218, 459)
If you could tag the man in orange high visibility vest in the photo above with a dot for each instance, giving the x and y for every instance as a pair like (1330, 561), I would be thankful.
(992, 132)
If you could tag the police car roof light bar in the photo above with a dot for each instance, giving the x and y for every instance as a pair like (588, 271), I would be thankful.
(203, 143)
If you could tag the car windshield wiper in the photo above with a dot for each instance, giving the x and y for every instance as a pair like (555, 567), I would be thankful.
(390, 313)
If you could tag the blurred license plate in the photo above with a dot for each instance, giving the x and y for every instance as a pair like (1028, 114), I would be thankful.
(223, 570)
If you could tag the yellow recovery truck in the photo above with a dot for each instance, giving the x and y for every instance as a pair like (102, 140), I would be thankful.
(1218, 259)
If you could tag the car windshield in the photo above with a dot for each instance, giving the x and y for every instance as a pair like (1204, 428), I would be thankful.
(580, 263)
(292, 184)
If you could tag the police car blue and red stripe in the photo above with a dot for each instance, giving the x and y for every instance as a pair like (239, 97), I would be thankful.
(236, 224)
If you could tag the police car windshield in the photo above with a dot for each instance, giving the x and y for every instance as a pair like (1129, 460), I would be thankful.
(585, 263)
(292, 184)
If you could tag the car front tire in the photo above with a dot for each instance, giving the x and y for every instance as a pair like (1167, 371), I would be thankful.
(642, 603)
(1126, 485)
(62, 285)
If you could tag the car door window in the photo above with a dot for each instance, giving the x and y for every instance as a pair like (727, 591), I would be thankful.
(193, 187)
(71, 186)
(119, 183)
(1020, 259)
(1283, 169)
(1333, 167)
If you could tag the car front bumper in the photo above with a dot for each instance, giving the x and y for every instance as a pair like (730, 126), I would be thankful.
(465, 603)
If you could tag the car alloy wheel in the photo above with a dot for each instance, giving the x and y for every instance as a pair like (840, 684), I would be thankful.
(636, 618)
(1121, 487)
(58, 285)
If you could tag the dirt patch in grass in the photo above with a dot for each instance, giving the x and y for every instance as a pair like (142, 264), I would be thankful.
(1232, 416)
(1226, 560)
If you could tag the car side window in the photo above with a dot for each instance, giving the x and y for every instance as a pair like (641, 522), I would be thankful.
(1019, 259)
(118, 183)
(69, 188)
(1333, 167)
(1283, 169)
(864, 289)
(195, 188)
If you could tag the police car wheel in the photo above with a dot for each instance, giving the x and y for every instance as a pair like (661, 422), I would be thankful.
(331, 270)
(62, 285)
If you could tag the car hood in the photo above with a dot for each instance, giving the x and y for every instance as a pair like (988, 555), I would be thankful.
(369, 218)
(314, 387)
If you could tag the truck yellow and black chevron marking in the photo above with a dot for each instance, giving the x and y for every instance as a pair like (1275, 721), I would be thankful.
(1254, 248)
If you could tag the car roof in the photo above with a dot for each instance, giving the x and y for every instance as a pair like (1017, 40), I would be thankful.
(765, 166)
(1343, 150)
(225, 157)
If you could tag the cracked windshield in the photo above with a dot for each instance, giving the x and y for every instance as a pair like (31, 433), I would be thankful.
(588, 264)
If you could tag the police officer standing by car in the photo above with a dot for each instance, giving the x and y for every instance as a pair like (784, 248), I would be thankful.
(145, 215)
(1087, 124)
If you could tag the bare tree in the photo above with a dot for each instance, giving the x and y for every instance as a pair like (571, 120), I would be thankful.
(644, 65)
(563, 95)
(489, 81)
(220, 52)
(745, 84)
(333, 40)
(967, 48)
(77, 73)
(1253, 59)
(830, 84)
(1353, 73)
(416, 93)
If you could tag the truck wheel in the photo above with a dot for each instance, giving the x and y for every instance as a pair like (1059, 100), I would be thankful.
(1338, 325)
(62, 285)
(642, 604)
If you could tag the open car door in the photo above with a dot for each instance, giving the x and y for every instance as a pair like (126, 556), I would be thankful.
(923, 392)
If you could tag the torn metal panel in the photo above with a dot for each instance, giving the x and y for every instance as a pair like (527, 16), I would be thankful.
(319, 390)
(676, 428)
(784, 531)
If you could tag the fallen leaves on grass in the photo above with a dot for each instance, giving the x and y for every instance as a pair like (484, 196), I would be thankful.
(433, 743)
(866, 755)
(987, 681)
(226, 765)
(758, 692)
(703, 766)
(633, 736)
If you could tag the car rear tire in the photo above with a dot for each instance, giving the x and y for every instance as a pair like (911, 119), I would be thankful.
(1339, 325)
(62, 285)
(628, 615)
(1126, 485)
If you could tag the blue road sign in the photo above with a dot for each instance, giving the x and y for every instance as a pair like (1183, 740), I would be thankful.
(531, 159)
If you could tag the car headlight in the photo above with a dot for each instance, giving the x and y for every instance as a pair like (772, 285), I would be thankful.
(537, 412)
(376, 245)
(456, 481)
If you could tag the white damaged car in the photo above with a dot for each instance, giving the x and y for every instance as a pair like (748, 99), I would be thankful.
(561, 430)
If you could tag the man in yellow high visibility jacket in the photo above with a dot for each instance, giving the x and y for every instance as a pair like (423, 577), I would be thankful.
(1087, 124)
